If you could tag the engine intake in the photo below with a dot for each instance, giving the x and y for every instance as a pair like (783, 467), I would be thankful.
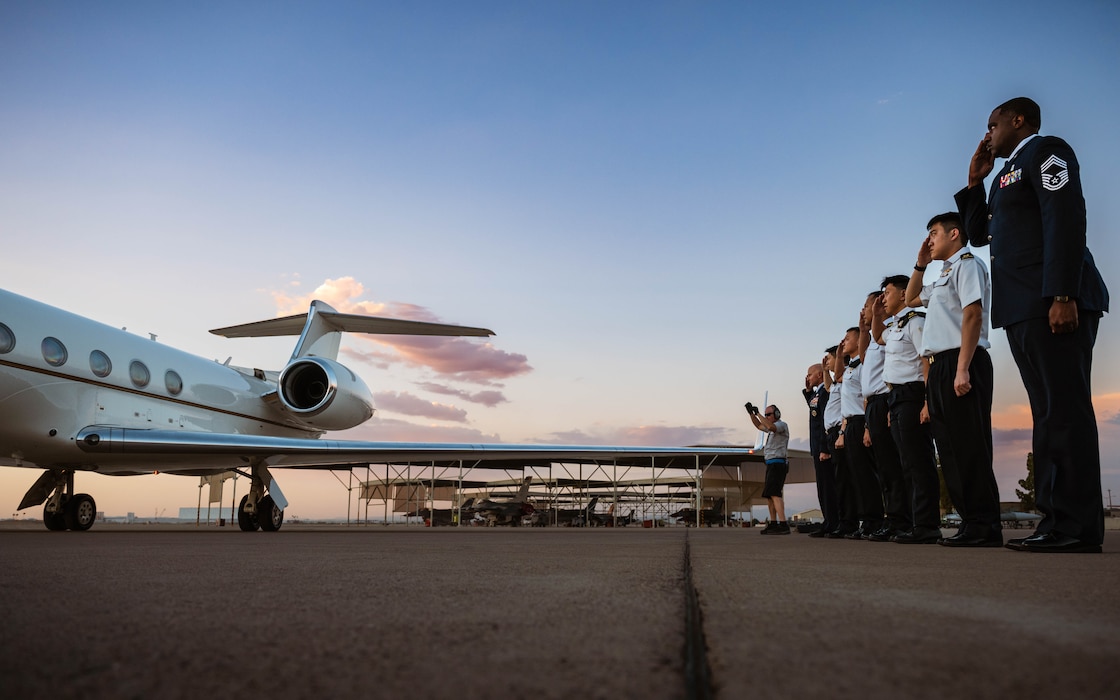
(324, 394)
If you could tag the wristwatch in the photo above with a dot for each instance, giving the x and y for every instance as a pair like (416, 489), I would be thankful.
(1062, 299)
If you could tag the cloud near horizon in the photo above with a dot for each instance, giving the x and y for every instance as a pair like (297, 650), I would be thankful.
(380, 429)
(410, 405)
(646, 435)
(488, 398)
(455, 358)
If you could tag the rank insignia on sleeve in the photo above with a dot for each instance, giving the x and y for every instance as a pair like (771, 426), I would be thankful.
(1055, 173)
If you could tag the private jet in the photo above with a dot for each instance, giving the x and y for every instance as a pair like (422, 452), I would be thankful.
(80, 396)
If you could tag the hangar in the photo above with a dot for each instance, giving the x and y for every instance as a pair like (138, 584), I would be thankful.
(653, 487)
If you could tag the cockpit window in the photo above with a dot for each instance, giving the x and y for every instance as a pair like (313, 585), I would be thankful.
(174, 382)
(54, 352)
(139, 374)
(100, 363)
(7, 339)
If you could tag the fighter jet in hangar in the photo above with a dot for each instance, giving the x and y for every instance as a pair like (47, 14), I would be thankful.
(507, 511)
(77, 395)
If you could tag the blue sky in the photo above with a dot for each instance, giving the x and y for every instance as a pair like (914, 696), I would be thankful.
(665, 208)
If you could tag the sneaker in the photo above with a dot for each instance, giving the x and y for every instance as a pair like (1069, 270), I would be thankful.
(770, 528)
(781, 529)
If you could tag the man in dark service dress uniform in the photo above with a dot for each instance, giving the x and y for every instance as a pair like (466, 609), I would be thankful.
(1049, 297)
(816, 396)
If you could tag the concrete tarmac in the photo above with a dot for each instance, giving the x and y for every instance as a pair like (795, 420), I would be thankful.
(311, 612)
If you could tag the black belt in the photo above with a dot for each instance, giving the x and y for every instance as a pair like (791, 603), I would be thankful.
(952, 352)
(918, 383)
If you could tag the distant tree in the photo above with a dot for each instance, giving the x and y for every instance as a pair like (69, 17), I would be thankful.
(1026, 496)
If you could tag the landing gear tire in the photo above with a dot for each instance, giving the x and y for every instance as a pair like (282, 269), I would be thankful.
(55, 521)
(246, 521)
(80, 512)
(269, 514)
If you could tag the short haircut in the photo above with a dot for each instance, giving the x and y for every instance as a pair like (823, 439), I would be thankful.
(950, 220)
(831, 350)
(875, 293)
(855, 329)
(1025, 107)
(899, 281)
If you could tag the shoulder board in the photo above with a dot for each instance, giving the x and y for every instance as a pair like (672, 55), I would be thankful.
(906, 319)
(967, 256)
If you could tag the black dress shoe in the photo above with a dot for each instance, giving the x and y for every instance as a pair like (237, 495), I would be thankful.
(883, 534)
(919, 535)
(964, 539)
(839, 534)
(1017, 542)
(1053, 542)
(854, 535)
(819, 533)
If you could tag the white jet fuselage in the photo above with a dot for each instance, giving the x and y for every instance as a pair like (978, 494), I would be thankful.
(48, 396)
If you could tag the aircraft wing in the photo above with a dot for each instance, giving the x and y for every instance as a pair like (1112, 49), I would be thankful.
(173, 450)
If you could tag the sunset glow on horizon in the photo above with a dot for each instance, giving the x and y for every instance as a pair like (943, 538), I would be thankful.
(663, 210)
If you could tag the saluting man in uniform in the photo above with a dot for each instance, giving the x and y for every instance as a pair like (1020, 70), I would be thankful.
(905, 375)
(888, 466)
(960, 380)
(817, 398)
(1049, 297)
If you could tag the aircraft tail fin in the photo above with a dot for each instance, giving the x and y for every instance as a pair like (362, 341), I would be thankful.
(320, 329)
(523, 492)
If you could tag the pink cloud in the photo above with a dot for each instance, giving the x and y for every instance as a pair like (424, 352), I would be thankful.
(380, 429)
(489, 398)
(410, 405)
(455, 358)
(1011, 438)
(648, 435)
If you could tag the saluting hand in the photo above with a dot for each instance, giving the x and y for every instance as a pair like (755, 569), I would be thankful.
(982, 163)
(879, 310)
(925, 255)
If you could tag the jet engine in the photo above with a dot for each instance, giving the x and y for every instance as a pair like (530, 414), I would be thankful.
(324, 394)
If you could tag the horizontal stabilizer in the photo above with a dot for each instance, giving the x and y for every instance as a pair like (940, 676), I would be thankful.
(348, 323)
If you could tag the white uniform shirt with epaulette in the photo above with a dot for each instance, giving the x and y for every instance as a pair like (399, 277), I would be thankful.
(832, 413)
(871, 371)
(851, 398)
(903, 340)
(963, 281)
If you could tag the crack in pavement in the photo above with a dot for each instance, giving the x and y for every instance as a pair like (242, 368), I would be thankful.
(697, 672)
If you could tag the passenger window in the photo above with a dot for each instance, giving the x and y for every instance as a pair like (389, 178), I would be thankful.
(174, 382)
(100, 363)
(54, 352)
(139, 374)
(7, 339)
